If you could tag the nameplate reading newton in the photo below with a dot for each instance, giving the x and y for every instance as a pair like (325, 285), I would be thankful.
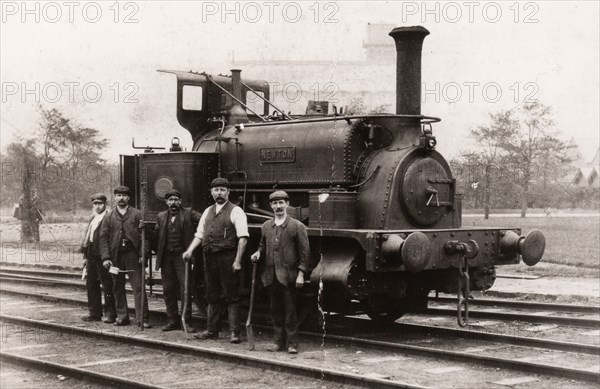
(278, 155)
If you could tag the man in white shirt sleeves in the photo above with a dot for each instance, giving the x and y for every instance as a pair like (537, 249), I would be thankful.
(223, 234)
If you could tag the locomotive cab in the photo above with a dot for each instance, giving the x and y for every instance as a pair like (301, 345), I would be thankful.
(203, 98)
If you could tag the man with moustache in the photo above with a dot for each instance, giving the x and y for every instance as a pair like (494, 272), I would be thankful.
(120, 248)
(223, 233)
(284, 245)
(174, 231)
(96, 273)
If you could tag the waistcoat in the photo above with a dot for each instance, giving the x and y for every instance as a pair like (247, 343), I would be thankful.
(219, 231)
(174, 236)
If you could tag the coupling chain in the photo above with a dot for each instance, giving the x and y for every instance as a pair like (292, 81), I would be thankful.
(464, 292)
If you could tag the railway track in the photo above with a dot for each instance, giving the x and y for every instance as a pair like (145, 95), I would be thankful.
(42, 277)
(523, 317)
(526, 305)
(150, 352)
(404, 348)
(479, 302)
(366, 325)
(363, 325)
(74, 372)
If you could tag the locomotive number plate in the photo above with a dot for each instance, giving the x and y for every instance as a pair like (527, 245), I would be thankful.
(278, 155)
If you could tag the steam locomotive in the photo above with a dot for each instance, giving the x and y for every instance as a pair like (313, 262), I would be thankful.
(380, 203)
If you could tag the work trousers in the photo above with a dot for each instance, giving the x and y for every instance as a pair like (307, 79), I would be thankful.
(284, 313)
(198, 286)
(134, 273)
(173, 280)
(96, 275)
(222, 285)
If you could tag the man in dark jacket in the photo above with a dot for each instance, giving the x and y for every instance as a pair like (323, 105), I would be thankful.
(284, 246)
(121, 252)
(173, 233)
(96, 273)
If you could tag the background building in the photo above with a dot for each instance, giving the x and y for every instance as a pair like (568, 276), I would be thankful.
(370, 81)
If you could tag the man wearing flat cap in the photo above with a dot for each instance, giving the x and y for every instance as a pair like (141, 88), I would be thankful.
(121, 251)
(285, 249)
(223, 233)
(96, 273)
(173, 233)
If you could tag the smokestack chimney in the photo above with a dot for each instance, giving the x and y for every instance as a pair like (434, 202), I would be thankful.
(236, 113)
(409, 42)
(236, 82)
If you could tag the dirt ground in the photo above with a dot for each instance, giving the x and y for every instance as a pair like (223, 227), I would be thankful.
(549, 288)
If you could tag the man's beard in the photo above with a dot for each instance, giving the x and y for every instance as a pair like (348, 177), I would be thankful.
(278, 210)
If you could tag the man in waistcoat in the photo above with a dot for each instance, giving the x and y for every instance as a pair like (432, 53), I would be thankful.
(173, 233)
(96, 273)
(285, 249)
(121, 252)
(223, 233)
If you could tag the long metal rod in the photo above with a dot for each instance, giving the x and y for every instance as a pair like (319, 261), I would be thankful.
(267, 101)
(588, 309)
(235, 98)
(472, 334)
(184, 303)
(76, 372)
(398, 327)
(6, 270)
(50, 282)
(567, 321)
(143, 255)
(522, 305)
(299, 120)
(225, 356)
(577, 322)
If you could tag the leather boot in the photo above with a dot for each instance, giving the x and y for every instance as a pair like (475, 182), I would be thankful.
(279, 336)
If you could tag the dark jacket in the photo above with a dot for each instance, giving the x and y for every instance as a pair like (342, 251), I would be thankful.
(188, 219)
(91, 250)
(286, 254)
(110, 233)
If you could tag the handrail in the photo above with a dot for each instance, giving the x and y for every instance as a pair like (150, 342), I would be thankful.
(235, 98)
(267, 101)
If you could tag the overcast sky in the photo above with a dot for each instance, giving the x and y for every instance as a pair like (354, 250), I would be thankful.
(543, 50)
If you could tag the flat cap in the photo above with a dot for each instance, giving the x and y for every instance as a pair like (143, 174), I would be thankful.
(122, 190)
(98, 198)
(220, 181)
(278, 195)
(173, 192)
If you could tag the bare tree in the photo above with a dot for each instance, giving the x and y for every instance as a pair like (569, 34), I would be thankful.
(23, 153)
(490, 139)
(64, 166)
(532, 146)
(82, 148)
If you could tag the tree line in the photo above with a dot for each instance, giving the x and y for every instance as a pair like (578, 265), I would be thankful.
(59, 166)
(519, 162)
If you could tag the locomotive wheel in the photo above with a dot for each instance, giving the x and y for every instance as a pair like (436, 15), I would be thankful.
(385, 310)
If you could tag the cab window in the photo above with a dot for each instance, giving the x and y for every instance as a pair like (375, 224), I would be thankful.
(192, 98)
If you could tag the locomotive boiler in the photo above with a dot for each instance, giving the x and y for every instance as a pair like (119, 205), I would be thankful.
(380, 202)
